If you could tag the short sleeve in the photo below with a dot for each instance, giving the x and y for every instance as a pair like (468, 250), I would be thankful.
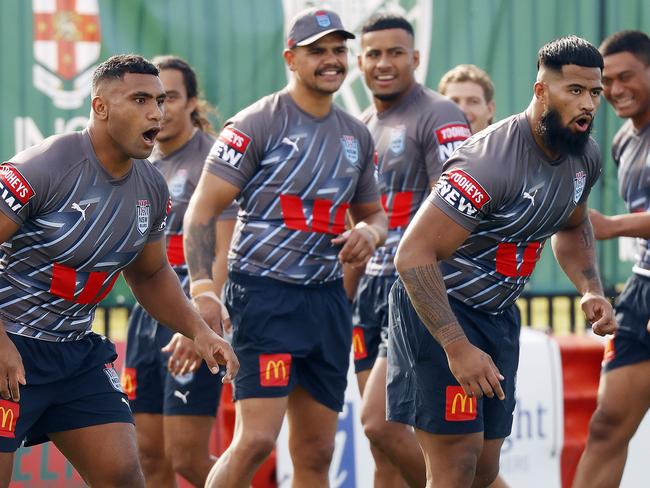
(239, 148)
(24, 185)
(440, 135)
(367, 189)
(164, 206)
(468, 189)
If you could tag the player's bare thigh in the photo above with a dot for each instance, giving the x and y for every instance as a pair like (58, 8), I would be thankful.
(104, 455)
(6, 468)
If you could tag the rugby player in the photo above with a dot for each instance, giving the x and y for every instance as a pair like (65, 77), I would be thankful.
(415, 130)
(624, 393)
(454, 332)
(75, 211)
(472, 89)
(297, 163)
(174, 413)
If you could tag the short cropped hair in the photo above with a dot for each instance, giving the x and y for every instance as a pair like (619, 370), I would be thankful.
(383, 21)
(569, 50)
(632, 41)
(468, 72)
(117, 66)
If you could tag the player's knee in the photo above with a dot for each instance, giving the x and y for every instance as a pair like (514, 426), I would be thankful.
(485, 474)
(123, 473)
(606, 426)
(184, 462)
(376, 429)
(317, 456)
(152, 459)
(254, 447)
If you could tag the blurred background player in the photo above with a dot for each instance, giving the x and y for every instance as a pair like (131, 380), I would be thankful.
(298, 163)
(624, 394)
(77, 210)
(415, 130)
(174, 414)
(467, 255)
(472, 89)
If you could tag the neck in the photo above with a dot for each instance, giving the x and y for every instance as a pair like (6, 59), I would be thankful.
(170, 145)
(534, 114)
(110, 156)
(641, 120)
(314, 103)
(383, 105)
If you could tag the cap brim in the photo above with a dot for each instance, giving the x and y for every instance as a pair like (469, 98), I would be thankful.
(315, 37)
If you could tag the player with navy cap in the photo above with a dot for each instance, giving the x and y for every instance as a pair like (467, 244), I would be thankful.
(298, 164)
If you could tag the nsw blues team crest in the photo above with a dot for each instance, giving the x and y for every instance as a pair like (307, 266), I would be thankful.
(177, 184)
(579, 185)
(398, 139)
(323, 19)
(143, 209)
(350, 148)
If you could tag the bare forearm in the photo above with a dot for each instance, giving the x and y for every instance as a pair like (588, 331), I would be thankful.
(575, 251)
(199, 244)
(631, 225)
(426, 289)
(161, 295)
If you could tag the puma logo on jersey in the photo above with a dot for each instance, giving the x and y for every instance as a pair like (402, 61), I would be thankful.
(126, 402)
(182, 396)
(293, 144)
(77, 207)
(531, 196)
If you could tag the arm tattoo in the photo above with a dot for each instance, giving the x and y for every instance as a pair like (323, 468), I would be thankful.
(426, 289)
(199, 250)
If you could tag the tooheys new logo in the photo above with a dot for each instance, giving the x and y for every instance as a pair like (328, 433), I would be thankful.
(67, 42)
(462, 192)
(354, 14)
(14, 188)
(449, 137)
(231, 146)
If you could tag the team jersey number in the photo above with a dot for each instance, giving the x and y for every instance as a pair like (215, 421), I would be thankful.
(508, 263)
(64, 284)
(293, 213)
(400, 211)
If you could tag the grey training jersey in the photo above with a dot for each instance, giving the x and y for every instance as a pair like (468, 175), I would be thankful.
(413, 139)
(502, 187)
(298, 175)
(182, 170)
(631, 153)
(78, 228)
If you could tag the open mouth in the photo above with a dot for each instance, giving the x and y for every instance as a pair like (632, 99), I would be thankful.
(583, 122)
(149, 136)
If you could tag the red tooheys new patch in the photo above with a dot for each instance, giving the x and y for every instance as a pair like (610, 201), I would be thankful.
(15, 190)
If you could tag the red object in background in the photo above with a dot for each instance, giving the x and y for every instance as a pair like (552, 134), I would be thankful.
(581, 359)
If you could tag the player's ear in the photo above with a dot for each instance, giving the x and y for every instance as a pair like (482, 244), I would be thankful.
(289, 58)
(540, 90)
(99, 107)
(416, 58)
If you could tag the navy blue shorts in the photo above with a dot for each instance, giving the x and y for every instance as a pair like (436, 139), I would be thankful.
(422, 392)
(70, 385)
(631, 343)
(149, 385)
(286, 335)
(370, 319)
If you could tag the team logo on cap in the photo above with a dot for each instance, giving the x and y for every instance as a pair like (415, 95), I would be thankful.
(398, 139)
(143, 209)
(350, 148)
(579, 185)
(323, 19)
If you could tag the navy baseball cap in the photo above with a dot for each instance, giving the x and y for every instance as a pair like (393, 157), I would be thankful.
(312, 24)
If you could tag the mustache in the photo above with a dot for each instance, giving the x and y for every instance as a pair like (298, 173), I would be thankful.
(337, 68)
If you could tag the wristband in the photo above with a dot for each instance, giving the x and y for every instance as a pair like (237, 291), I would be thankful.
(199, 287)
(373, 231)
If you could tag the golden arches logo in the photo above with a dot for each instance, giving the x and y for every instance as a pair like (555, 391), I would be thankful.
(276, 366)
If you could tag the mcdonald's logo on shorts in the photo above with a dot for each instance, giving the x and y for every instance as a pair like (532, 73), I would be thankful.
(458, 406)
(610, 351)
(359, 343)
(129, 382)
(275, 369)
(9, 412)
